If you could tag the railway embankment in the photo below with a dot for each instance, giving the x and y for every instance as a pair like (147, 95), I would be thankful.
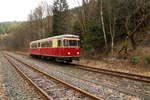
(116, 65)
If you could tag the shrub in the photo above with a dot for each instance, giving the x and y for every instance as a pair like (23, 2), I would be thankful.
(133, 59)
(148, 59)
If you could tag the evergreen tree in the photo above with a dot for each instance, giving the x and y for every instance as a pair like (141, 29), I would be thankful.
(60, 14)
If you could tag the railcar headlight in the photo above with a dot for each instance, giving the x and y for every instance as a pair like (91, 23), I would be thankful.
(68, 53)
(78, 53)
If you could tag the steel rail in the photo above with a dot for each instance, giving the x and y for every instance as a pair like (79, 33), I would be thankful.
(58, 80)
(124, 91)
(47, 97)
(130, 76)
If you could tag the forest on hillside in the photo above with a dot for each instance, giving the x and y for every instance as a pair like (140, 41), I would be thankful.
(101, 24)
(7, 27)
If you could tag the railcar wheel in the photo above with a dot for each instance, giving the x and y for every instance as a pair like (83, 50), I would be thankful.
(58, 60)
(42, 57)
(31, 55)
(68, 61)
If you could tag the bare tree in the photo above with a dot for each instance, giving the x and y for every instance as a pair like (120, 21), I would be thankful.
(112, 33)
(112, 22)
(49, 13)
(38, 17)
(133, 22)
(100, 3)
(82, 15)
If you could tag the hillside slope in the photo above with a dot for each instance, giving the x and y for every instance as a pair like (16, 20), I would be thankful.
(6, 27)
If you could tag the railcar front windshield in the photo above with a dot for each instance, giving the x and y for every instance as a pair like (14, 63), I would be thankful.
(71, 43)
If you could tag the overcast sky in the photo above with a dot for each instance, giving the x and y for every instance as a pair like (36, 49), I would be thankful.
(18, 10)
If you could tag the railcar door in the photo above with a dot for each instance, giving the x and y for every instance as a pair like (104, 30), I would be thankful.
(39, 46)
(60, 48)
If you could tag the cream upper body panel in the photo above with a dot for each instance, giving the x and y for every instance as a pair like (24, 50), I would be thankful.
(54, 40)
(70, 38)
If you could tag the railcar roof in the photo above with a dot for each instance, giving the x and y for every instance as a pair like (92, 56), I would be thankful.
(55, 37)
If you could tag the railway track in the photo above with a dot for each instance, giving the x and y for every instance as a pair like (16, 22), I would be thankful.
(42, 91)
(128, 92)
(30, 81)
(130, 76)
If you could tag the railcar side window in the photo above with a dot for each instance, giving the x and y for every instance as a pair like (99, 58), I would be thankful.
(42, 45)
(66, 43)
(34, 45)
(45, 44)
(38, 45)
(78, 43)
(50, 44)
(59, 43)
(71, 43)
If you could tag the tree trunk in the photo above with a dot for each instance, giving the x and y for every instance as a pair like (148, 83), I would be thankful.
(103, 25)
(133, 43)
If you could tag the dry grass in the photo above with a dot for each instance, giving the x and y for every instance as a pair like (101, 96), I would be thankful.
(141, 67)
(116, 65)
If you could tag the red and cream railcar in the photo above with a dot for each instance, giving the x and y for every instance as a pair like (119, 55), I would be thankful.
(62, 47)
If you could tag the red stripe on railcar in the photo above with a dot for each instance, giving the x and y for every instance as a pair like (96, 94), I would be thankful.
(57, 51)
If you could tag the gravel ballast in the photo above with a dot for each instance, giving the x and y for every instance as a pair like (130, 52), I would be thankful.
(16, 88)
(100, 90)
(56, 90)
